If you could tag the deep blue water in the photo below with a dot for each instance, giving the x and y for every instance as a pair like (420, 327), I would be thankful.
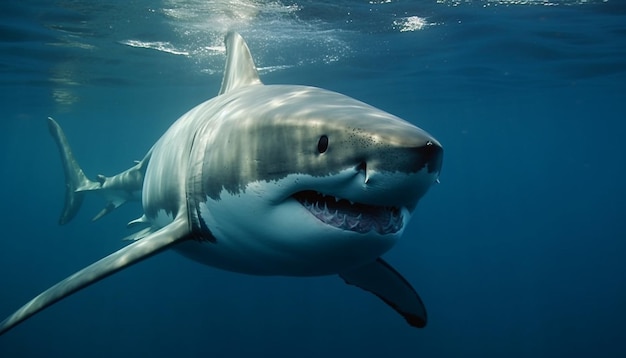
(519, 252)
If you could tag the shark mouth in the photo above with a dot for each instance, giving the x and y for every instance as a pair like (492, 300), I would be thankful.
(346, 215)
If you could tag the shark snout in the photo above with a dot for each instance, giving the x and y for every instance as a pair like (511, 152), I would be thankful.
(430, 156)
(421, 156)
(399, 175)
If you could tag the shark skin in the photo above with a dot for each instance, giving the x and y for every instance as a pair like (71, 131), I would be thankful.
(267, 180)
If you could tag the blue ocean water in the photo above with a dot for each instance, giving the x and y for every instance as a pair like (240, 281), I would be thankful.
(519, 252)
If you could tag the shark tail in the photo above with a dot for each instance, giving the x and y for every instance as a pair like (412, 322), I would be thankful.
(76, 182)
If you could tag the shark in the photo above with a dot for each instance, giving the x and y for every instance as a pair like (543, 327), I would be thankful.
(266, 180)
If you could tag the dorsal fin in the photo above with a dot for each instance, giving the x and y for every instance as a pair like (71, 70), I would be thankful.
(240, 70)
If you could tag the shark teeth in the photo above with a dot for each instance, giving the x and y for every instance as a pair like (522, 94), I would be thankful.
(348, 215)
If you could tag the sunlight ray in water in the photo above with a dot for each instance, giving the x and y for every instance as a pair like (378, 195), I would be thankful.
(155, 45)
(410, 23)
(201, 25)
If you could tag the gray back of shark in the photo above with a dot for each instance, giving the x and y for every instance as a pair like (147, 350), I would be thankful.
(267, 180)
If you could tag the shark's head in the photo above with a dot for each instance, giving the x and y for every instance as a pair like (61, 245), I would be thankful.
(310, 177)
(300, 180)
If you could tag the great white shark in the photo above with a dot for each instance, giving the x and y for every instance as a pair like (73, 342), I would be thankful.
(267, 180)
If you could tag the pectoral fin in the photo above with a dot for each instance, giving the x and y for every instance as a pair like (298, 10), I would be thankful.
(176, 231)
(385, 282)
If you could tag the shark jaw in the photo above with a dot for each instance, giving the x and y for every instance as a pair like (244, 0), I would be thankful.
(347, 215)
(289, 228)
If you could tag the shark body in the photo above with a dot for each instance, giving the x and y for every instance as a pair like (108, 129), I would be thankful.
(267, 180)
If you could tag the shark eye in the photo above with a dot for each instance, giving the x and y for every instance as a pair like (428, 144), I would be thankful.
(322, 145)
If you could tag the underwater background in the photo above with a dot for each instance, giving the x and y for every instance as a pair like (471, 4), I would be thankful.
(519, 252)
